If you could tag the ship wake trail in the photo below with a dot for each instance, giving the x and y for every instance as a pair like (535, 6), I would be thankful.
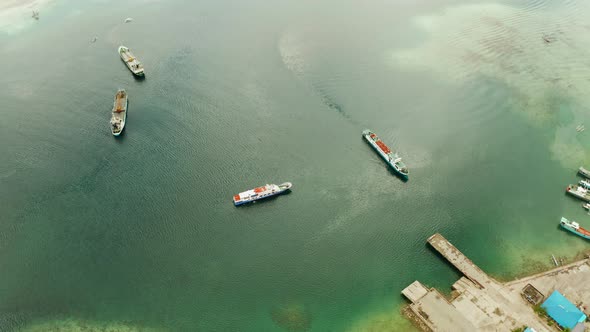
(293, 51)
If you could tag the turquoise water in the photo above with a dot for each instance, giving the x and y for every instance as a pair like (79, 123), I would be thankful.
(140, 231)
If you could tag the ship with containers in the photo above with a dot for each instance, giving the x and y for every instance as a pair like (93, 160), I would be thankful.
(390, 157)
(575, 228)
(266, 191)
(578, 191)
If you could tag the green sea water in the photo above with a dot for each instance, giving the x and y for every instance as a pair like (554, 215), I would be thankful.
(139, 233)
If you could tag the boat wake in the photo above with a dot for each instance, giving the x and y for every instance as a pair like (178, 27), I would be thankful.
(294, 51)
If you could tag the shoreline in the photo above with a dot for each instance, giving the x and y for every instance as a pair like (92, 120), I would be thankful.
(540, 267)
(480, 302)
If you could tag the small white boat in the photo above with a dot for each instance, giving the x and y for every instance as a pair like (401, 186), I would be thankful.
(580, 128)
(119, 114)
(128, 19)
(130, 61)
(586, 206)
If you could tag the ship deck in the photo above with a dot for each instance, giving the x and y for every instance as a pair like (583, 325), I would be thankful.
(130, 59)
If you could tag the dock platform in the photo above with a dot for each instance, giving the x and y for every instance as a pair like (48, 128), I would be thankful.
(459, 261)
(480, 303)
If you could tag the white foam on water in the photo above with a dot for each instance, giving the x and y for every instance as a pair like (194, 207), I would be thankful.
(17, 15)
(538, 52)
(292, 50)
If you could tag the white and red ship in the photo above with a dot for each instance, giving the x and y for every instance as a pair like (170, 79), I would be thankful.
(259, 193)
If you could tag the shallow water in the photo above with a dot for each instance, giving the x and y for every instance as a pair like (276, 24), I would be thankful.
(140, 231)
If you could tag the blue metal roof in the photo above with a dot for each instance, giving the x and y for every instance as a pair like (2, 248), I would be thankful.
(563, 311)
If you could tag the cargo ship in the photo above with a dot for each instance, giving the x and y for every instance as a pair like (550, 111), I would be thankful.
(130, 61)
(575, 228)
(391, 158)
(578, 191)
(119, 114)
(259, 193)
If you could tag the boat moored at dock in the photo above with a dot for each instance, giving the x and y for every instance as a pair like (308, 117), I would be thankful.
(584, 183)
(575, 228)
(259, 193)
(119, 113)
(578, 191)
(131, 61)
(584, 172)
(391, 158)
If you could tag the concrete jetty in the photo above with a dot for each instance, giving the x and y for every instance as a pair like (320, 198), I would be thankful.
(459, 261)
(481, 303)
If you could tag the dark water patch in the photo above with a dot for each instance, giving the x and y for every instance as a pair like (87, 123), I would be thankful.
(330, 102)
(292, 317)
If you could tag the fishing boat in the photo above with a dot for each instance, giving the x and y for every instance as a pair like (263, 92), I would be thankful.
(119, 114)
(391, 158)
(575, 228)
(259, 193)
(584, 172)
(578, 191)
(132, 63)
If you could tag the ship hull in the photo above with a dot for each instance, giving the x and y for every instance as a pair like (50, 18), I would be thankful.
(242, 202)
(123, 122)
(261, 193)
(572, 191)
(384, 156)
(122, 116)
(136, 72)
(567, 228)
(584, 172)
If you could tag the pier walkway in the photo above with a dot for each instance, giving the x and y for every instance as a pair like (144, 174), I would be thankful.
(459, 261)
(480, 303)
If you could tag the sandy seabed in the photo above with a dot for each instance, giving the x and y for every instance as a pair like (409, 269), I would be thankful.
(79, 325)
(538, 52)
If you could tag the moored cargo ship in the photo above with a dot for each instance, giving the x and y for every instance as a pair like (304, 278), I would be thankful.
(584, 172)
(579, 192)
(391, 158)
(575, 228)
(259, 193)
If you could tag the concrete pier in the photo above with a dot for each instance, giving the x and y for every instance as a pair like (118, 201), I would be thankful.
(484, 304)
(459, 261)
